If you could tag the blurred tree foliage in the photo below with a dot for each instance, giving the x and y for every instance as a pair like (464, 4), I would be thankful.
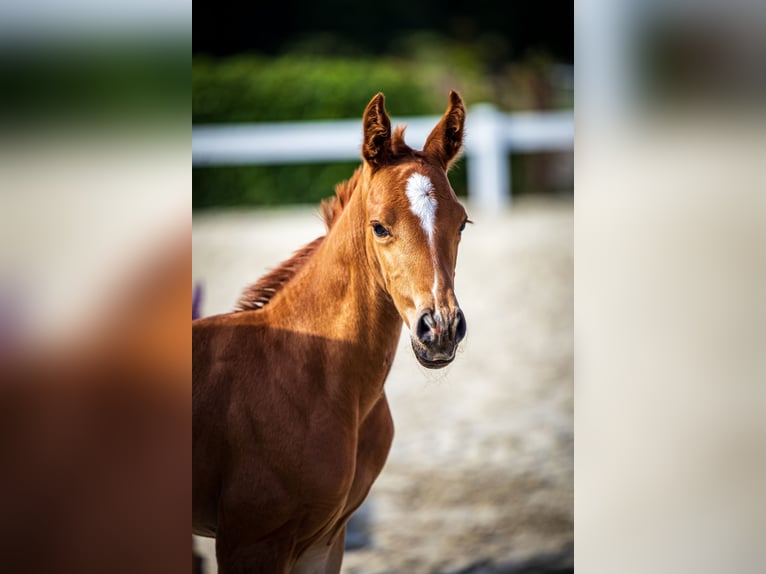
(319, 80)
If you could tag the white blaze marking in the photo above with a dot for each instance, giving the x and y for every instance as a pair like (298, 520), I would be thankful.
(423, 204)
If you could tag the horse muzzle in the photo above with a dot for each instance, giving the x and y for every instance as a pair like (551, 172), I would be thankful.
(436, 337)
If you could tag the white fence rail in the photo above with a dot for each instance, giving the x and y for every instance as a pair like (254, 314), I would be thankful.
(490, 136)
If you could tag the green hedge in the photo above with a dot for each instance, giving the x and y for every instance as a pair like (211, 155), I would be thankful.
(293, 87)
(253, 89)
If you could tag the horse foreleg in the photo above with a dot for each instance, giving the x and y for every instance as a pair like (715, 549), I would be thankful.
(324, 557)
(238, 555)
(336, 554)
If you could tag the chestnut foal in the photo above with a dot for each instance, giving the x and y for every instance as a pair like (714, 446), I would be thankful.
(291, 426)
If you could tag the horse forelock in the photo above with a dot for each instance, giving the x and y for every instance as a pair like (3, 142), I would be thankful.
(398, 146)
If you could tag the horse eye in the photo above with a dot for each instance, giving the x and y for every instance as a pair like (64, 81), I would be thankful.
(462, 227)
(379, 230)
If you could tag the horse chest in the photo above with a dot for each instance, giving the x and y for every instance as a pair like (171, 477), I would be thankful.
(375, 436)
(328, 470)
(331, 471)
(342, 478)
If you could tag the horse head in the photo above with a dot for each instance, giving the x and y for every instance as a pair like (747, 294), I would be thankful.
(413, 227)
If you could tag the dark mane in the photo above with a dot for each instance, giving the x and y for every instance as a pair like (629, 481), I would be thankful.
(261, 292)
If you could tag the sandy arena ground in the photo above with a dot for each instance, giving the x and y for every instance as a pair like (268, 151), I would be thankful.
(479, 478)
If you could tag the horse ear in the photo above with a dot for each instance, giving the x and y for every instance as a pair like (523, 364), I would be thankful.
(446, 139)
(376, 147)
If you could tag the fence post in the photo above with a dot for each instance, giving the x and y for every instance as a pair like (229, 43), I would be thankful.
(488, 171)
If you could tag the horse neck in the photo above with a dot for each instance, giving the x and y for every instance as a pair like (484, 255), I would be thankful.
(339, 296)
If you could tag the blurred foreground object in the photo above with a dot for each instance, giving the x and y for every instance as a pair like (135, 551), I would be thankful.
(94, 436)
(669, 313)
(95, 263)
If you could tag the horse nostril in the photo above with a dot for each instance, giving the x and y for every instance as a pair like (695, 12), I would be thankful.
(460, 326)
(424, 328)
